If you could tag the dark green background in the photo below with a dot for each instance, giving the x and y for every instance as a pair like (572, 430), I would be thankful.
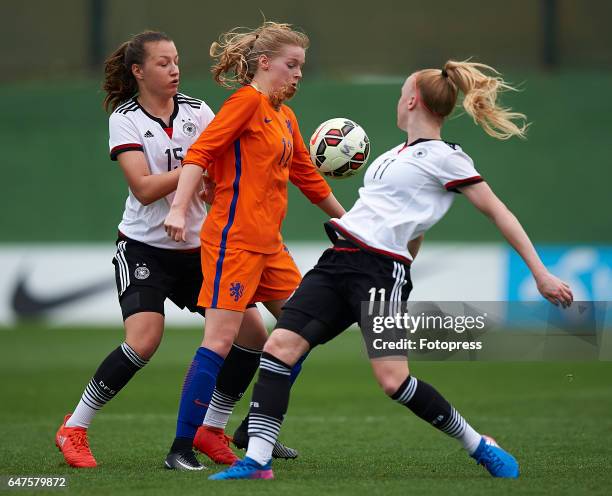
(59, 184)
(52, 39)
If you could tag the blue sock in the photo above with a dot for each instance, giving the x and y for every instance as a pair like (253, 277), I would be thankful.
(297, 368)
(197, 392)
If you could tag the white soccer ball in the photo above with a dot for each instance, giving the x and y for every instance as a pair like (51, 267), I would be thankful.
(339, 148)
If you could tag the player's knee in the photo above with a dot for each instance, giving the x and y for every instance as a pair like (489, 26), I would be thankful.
(274, 345)
(389, 385)
(143, 333)
(390, 375)
(146, 348)
(252, 335)
(285, 346)
(220, 343)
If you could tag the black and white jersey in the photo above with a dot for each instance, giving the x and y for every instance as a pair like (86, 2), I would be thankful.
(406, 191)
(131, 127)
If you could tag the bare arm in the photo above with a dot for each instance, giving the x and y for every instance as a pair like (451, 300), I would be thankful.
(190, 178)
(331, 206)
(146, 187)
(414, 246)
(483, 198)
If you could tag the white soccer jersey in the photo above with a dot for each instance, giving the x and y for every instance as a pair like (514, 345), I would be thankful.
(131, 127)
(406, 191)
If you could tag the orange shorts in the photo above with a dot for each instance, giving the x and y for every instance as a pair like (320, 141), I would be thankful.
(234, 278)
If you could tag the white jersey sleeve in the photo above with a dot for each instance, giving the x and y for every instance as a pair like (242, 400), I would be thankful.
(206, 116)
(457, 169)
(123, 135)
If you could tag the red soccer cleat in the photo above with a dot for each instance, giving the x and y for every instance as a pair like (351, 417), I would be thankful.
(214, 443)
(73, 443)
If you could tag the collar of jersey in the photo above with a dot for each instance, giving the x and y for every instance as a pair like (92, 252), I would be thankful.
(421, 140)
(157, 119)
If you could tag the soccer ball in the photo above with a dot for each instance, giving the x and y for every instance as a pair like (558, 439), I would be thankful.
(339, 148)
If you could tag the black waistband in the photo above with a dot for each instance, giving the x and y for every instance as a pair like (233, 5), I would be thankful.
(339, 237)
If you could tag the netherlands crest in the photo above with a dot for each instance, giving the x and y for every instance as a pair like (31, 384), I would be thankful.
(236, 290)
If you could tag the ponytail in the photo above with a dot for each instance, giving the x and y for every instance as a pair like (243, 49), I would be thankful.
(119, 82)
(480, 84)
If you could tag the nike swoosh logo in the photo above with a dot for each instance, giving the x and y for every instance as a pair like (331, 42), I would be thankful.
(28, 306)
(199, 403)
(267, 121)
(314, 138)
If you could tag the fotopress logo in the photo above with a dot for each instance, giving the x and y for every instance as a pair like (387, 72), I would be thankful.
(487, 331)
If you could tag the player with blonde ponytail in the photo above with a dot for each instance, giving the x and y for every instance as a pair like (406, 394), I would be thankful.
(406, 191)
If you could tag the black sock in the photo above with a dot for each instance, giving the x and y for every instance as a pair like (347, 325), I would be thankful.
(270, 398)
(238, 371)
(424, 401)
(112, 375)
(295, 372)
(234, 378)
(427, 403)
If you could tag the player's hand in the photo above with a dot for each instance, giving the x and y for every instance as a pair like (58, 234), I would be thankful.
(207, 194)
(555, 290)
(175, 225)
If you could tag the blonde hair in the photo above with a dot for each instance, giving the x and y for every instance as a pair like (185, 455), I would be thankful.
(480, 85)
(238, 50)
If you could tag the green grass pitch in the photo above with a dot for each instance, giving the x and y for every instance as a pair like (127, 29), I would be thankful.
(555, 417)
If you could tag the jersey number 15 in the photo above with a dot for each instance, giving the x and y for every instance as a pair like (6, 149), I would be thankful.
(176, 152)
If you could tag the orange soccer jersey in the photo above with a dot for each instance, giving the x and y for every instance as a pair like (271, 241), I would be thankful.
(251, 150)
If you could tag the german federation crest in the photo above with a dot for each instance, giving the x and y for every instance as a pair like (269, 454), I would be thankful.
(190, 129)
(142, 272)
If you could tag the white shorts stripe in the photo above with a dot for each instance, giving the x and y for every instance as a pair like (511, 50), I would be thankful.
(395, 300)
(394, 290)
(124, 271)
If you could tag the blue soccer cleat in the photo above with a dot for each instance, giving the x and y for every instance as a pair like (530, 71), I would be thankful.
(498, 462)
(245, 469)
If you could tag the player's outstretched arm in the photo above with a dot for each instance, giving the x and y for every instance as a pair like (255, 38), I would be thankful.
(191, 176)
(482, 197)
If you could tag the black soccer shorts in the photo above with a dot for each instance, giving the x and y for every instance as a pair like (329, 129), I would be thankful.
(146, 276)
(329, 298)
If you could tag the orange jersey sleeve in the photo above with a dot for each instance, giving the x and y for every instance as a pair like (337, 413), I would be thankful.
(225, 128)
(302, 172)
(251, 150)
